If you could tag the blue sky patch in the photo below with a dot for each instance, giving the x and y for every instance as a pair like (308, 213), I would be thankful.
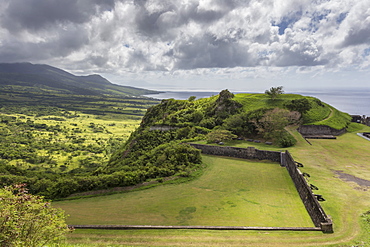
(366, 52)
(341, 17)
(287, 21)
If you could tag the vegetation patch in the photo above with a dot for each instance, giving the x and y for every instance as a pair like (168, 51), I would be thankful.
(53, 145)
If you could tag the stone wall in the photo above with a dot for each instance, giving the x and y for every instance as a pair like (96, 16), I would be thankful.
(244, 153)
(361, 119)
(316, 212)
(307, 130)
(318, 216)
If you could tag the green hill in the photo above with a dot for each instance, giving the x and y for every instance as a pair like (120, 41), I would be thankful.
(337, 167)
(47, 79)
(218, 118)
(319, 114)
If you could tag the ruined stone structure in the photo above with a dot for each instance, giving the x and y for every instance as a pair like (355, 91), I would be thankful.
(316, 212)
(367, 121)
(317, 130)
(361, 119)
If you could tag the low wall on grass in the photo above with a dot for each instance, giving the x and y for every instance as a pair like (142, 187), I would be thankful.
(141, 227)
(314, 209)
(244, 153)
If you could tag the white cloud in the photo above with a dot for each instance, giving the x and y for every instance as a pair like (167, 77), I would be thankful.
(230, 38)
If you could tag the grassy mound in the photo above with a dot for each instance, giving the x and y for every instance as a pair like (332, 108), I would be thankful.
(319, 114)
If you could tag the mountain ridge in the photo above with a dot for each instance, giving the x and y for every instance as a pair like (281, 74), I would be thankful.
(51, 79)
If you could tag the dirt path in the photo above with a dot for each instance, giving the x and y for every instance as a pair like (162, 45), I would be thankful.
(330, 115)
(350, 178)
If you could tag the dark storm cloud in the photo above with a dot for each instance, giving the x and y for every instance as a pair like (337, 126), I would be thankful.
(359, 36)
(160, 22)
(64, 43)
(39, 14)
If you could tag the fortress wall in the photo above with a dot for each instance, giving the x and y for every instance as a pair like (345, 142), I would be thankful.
(319, 130)
(318, 216)
(314, 209)
(244, 153)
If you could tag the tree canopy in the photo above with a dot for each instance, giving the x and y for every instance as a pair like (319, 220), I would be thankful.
(274, 92)
(300, 105)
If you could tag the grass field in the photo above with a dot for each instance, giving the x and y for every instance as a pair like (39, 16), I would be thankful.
(345, 202)
(231, 192)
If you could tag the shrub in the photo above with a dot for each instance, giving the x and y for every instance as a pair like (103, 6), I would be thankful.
(220, 135)
(286, 140)
(28, 220)
(300, 105)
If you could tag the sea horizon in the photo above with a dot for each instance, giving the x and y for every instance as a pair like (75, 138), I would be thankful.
(352, 101)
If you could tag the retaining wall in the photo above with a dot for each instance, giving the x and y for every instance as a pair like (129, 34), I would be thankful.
(316, 212)
(319, 130)
(313, 207)
(244, 153)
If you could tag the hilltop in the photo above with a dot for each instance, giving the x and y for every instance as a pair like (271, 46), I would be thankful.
(216, 119)
(43, 78)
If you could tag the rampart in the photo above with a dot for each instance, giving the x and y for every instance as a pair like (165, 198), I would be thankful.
(313, 130)
(244, 153)
(316, 212)
(318, 216)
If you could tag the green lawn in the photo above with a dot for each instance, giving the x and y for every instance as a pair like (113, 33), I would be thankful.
(231, 192)
(345, 202)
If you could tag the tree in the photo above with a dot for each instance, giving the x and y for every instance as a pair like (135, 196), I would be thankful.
(220, 135)
(272, 124)
(274, 92)
(192, 98)
(28, 220)
(300, 105)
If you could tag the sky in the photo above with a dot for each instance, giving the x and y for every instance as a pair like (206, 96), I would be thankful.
(205, 45)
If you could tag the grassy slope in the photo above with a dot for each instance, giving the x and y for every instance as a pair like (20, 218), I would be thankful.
(346, 201)
(239, 192)
(320, 114)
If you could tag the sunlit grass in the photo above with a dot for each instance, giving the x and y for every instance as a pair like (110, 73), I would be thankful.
(231, 192)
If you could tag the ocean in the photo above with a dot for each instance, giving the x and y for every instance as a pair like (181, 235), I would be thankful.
(352, 101)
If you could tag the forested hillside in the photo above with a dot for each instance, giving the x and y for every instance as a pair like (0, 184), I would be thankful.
(217, 119)
(79, 144)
